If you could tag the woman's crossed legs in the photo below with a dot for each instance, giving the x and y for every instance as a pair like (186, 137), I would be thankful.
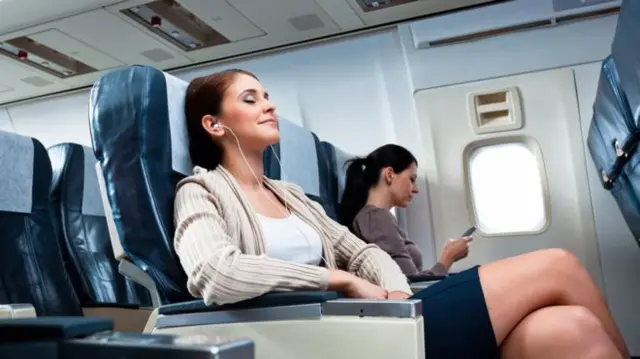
(545, 305)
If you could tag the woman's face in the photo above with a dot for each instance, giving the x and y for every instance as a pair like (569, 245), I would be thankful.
(247, 111)
(404, 186)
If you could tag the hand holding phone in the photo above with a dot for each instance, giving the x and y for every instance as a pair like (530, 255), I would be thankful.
(468, 232)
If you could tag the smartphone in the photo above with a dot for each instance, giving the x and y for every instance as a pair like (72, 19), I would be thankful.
(468, 232)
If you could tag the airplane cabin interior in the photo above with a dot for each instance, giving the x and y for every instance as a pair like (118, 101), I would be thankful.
(523, 116)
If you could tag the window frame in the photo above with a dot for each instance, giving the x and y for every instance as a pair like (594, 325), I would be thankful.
(534, 147)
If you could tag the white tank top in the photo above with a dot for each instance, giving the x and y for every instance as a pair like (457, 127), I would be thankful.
(291, 239)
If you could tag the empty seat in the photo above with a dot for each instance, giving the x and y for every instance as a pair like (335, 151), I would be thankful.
(31, 265)
(82, 229)
(614, 134)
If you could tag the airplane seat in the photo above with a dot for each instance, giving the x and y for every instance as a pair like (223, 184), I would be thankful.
(303, 161)
(614, 133)
(32, 272)
(140, 140)
(337, 161)
(86, 246)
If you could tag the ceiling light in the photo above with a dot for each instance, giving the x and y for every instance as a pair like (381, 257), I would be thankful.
(43, 58)
(176, 24)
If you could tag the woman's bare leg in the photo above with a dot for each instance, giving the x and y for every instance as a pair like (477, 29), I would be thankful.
(560, 332)
(518, 286)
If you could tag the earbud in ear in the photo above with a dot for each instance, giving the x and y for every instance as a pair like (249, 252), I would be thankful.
(216, 125)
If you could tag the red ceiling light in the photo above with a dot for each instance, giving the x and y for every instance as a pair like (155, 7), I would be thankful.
(22, 55)
(156, 21)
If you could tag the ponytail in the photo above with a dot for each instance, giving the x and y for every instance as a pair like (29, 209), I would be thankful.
(364, 173)
(356, 191)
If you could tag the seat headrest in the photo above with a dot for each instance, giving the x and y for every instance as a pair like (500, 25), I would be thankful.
(22, 191)
(140, 140)
(82, 189)
(303, 162)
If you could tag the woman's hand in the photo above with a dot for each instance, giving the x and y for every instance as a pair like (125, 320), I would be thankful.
(455, 250)
(398, 296)
(354, 287)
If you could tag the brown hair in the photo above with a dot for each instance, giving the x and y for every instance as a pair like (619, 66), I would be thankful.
(204, 97)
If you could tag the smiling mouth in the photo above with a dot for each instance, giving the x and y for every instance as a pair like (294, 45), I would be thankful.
(268, 122)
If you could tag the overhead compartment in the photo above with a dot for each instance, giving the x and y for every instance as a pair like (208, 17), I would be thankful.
(205, 30)
(24, 13)
(376, 12)
(504, 17)
(78, 49)
(18, 81)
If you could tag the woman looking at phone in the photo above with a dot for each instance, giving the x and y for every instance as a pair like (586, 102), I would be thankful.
(384, 179)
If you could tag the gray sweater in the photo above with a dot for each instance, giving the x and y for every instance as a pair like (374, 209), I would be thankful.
(378, 226)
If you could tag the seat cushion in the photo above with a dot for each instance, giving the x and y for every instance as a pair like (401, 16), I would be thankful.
(264, 301)
(83, 231)
(31, 264)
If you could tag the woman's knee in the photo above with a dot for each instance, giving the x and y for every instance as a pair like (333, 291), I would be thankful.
(572, 331)
(560, 261)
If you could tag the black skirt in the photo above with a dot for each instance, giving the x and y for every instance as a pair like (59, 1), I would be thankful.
(456, 319)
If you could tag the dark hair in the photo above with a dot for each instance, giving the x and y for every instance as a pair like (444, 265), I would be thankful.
(363, 173)
(204, 97)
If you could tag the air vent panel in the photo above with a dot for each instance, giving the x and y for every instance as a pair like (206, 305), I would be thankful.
(176, 24)
(157, 55)
(36, 81)
(306, 22)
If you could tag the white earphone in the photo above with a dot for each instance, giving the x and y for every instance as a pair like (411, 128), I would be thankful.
(284, 175)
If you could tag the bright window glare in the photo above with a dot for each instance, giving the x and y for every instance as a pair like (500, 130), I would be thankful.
(507, 190)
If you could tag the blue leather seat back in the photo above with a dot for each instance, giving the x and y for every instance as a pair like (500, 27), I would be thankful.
(83, 232)
(337, 160)
(626, 55)
(140, 140)
(614, 134)
(304, 162)
(31, 264)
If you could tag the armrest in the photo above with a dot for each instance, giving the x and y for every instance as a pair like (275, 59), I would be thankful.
(51, 328)
(157, 346)
(424, 278)
(137, 275)
(78, 337)
(17, 311)
(275, 299)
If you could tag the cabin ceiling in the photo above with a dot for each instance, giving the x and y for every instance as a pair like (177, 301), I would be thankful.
(48, 49)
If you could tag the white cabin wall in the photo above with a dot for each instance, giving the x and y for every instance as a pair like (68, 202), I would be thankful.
(5, 121)
(54, 120)
(580, 46)
(358, 94)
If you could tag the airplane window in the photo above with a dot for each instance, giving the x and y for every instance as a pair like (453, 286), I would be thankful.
(507, 188)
